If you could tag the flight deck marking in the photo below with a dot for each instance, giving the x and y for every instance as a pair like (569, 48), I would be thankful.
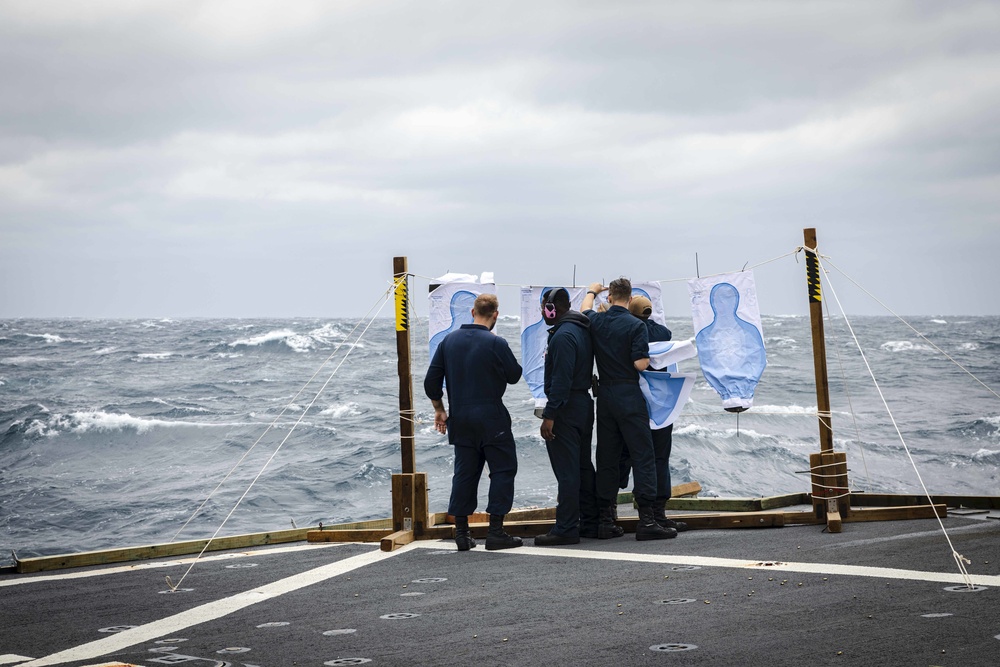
(751, 564)
(213, 610)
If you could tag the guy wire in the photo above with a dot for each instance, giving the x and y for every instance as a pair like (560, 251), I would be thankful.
(283, 441)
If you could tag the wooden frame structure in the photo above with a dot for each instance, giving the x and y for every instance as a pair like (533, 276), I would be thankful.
(832, 502)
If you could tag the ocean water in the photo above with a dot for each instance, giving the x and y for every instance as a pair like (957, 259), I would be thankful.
(112, 432)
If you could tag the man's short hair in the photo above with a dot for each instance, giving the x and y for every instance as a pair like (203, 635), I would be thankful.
(558, 297)
(620, 290)
(486, 305)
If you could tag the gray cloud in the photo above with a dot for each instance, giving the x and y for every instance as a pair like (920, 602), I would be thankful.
(252, 158)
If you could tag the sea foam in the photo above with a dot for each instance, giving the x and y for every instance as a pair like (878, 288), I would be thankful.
(294, 341)
(904, 346)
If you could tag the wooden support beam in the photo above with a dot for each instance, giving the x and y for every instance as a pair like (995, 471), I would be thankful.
(685, 490)
(897, 513)
(402, 501)
(395, 540)
(736, 520)
(421, 518)
(833, 522)
(772, 502)
(168, 550)
(348, 535)
(893, 500)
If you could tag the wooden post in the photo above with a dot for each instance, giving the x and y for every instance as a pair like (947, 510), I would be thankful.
(829, 468)
(819, 343)
(406, 414)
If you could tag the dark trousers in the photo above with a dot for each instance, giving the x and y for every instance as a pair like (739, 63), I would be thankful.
(623, 424)
(479, 442)
(662, 443)
(569, 454)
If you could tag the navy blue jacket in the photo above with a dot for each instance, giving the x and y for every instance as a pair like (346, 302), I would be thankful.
(569, 361)
(477, 366)
(619, 339)
(656, 331)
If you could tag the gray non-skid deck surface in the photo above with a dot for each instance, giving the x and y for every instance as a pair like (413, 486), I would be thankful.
(545, 607)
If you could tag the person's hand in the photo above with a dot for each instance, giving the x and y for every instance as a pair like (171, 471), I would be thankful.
(597, 288)
(441, 421)
(546, 430)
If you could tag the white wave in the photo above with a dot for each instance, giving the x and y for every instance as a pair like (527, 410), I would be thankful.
(105, 350)
(19, 361)
(785, 409)
(228, 355)
(55, 338)
(780, 341)
(349, 409)
(968, 347)
(904, 346)
(155, 356)
(296, 342)
(83, 422)
(939, 321)
(326, 332)
(984, 453)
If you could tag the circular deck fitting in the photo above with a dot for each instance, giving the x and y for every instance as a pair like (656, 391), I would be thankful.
(176, 590)
(672, 648)
(347, 661)
(966, 589)
(407, 595)
(240, 566)
(342, 631)
(175, 640)
(429, 580)
(941, 615)
(164, 649)
(676, 601)
(118, 628)
(233, 649)
(274, 624)
(397, 616)
(441, 553)
(685, 568)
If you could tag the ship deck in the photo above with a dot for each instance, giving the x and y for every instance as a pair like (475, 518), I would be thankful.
(875, 594)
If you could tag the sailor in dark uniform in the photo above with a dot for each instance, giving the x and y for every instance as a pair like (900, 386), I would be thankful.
(568, 419)
(642, 308)
(621, 349)
(476, 366)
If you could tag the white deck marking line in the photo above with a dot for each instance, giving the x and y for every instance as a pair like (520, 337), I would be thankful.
(29, 579)
(10, 659)
(211, 610)
(712, 561)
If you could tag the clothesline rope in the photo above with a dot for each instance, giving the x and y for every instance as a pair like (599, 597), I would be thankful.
(796, 251)
(912, 328)
(959, 559)
(385, 298)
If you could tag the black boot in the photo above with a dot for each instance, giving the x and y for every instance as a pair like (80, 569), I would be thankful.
(648, 529)
(463, 538)
(497, 538)
(661, 518)
(606, 526)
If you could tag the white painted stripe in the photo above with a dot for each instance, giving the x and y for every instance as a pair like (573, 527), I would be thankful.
(711, 561)
(34, 579)
(10, 659)
(212, 610)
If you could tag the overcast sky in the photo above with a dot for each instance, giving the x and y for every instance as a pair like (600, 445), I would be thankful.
(244, 158)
